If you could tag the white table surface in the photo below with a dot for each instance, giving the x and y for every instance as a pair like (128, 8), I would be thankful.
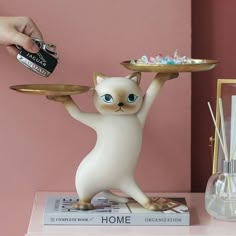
(201, 222)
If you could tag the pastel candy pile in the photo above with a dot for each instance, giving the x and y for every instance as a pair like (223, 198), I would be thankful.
(164, 60)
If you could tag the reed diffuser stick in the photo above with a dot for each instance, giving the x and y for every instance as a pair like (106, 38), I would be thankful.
(222, 121)
(232, 138)
(217, 130)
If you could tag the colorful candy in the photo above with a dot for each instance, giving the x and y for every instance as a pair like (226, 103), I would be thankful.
(164, 60)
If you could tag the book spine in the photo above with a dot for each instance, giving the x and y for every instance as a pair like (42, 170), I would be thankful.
(121, 219)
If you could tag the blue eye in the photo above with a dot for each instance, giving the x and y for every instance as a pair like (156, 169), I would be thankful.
(107, 98)
(132, 98)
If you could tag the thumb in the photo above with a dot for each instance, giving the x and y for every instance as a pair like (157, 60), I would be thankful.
(24, 41)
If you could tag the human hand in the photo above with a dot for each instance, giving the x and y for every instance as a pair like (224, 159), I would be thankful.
(18, 31)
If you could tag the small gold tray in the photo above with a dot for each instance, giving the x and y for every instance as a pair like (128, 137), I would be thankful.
(51, 89)
(199, 65)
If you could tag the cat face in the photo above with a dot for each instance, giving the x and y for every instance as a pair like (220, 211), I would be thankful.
(117, 95)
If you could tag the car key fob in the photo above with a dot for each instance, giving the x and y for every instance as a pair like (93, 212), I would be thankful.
(44, 62)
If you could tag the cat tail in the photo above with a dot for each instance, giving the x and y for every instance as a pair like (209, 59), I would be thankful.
(113, 197)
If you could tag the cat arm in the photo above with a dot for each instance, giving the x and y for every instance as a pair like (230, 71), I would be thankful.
(152, 92)
(89, 119)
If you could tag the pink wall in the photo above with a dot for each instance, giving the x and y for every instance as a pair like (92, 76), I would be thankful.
(213, 37)
(42, 145)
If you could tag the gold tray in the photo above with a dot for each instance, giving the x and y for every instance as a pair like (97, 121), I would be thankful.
(51, 89)
(199, 65)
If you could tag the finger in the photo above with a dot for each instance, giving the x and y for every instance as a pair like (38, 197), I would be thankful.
(32, 30)
(27, 26)
(24, 41)
(12, 50)
(28, 44)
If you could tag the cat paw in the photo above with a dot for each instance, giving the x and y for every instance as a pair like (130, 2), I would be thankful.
(62, 98)
(166, 76)
(154, 206)
(84, 206)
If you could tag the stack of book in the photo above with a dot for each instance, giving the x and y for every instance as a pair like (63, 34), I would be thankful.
(59, 211)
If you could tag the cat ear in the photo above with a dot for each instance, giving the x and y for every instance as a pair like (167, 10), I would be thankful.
(98, 77)
(136, 77)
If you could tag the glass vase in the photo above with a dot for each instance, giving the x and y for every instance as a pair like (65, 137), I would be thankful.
(220, 196)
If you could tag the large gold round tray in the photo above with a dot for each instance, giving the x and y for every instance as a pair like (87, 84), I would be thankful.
(197, 65)
(51, 89)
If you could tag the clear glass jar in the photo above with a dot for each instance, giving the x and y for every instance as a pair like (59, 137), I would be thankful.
(220, 196)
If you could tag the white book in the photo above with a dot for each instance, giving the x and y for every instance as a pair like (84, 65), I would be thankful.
(59, 211)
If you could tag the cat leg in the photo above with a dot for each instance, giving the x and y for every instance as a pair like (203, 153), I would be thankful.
(85, 197)
(84, 204)
(132, 189)
(85, 201)
(113, 197)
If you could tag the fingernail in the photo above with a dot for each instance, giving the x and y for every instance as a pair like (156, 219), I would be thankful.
(34, 47)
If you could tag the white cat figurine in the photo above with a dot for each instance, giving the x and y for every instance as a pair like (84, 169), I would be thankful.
(122, 111)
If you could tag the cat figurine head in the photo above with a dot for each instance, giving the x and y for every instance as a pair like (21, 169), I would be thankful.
(117, 95)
